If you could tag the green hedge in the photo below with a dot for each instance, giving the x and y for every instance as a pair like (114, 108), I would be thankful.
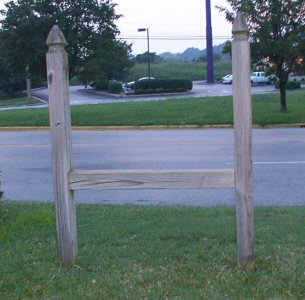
(291, 85)
(162, 86)
(115, 87)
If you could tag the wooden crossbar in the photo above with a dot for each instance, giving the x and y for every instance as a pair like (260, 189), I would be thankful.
(151, 179)
(66, 180)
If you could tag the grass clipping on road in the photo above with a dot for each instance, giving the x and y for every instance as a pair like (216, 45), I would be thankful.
(150, 252)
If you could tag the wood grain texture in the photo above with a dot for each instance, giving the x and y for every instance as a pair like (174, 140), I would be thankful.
(243, 144)
(1, 192)
(151, 179)
(60, 125)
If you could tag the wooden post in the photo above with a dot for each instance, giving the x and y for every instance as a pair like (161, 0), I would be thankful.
(28, 83)
(243, 144)
(60, 125)
(1, 192)
(29, 90)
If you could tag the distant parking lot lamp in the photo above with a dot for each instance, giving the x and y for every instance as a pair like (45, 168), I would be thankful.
(148, 54)
(209, 41)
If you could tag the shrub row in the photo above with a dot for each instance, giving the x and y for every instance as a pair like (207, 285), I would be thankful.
(291, 85)
(162, 86)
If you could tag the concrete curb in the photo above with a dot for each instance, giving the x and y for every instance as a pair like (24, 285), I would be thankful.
(148, 127)
(128, 96)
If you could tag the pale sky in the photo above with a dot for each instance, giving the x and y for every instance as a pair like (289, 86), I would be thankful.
(174, 25)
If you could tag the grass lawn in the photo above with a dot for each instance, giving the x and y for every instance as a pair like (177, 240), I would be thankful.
(18, 101)
(150, 252)
(188, 111)
(180, 69)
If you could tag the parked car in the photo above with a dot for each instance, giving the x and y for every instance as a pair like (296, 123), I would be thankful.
(260, 77)
(130, 85)
(273, 79)
(146, 78)
(228, 79)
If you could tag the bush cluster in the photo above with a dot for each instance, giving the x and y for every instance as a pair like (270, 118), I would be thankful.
(162, 86)
(291, 85)
(100, 84)
(10, 88)
(115, 87)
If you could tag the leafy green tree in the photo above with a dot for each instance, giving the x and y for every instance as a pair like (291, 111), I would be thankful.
(9, 82)
(227, 48)
(110, 61)
(86, 25)
(154, 58)
(277, 34)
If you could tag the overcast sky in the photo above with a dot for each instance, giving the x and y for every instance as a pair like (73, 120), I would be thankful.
(174, 25)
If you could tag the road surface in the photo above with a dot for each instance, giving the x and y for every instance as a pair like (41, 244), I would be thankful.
(279, 164)
(78, 95)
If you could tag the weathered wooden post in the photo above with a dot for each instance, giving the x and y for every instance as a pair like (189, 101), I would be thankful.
(1, 192)
(243, 143)
(28, 83)
(60, 125)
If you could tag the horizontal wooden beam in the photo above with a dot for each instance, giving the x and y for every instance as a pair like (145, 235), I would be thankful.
(151, 179)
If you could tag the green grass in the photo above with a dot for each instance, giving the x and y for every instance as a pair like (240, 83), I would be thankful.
(20, 100)
(150, 252)
(188, 111)
(180, 69)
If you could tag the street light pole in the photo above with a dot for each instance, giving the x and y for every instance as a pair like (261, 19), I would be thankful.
(209, 40)
(148, 53)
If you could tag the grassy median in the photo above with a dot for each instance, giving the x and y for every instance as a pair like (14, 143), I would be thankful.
(188, 111)
(150, 252)
(20, 100)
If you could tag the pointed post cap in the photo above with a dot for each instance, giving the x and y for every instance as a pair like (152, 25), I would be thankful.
(56, 37)
(239, 25)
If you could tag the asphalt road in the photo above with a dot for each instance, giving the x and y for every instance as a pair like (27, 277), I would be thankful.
(279, 164)
(78, 95)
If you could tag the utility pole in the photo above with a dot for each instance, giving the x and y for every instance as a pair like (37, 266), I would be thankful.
(209, 41)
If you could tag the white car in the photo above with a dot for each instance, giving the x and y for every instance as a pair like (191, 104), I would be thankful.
(146, 78)
(130, 85)
(228, 79)
(259, 77)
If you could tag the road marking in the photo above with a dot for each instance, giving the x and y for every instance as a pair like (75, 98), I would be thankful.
(88, 144)
(274, 163)
(278, 162)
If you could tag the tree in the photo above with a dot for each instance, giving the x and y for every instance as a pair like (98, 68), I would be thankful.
(277, 34)
(153, 57)
(110, 61)
(85, 23)
(9, 82)
(227, 48)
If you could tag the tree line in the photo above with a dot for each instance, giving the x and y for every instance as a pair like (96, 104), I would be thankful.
(95, 54)
(277, 36)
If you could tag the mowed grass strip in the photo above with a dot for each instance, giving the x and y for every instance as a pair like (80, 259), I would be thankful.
(19, 100)
(150, 252)
(180, 69)
(187, 111)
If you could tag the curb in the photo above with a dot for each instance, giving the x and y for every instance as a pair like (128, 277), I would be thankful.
(127, 96)
(148, 127)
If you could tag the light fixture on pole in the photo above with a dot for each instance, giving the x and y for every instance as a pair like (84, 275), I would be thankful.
(148, 54)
